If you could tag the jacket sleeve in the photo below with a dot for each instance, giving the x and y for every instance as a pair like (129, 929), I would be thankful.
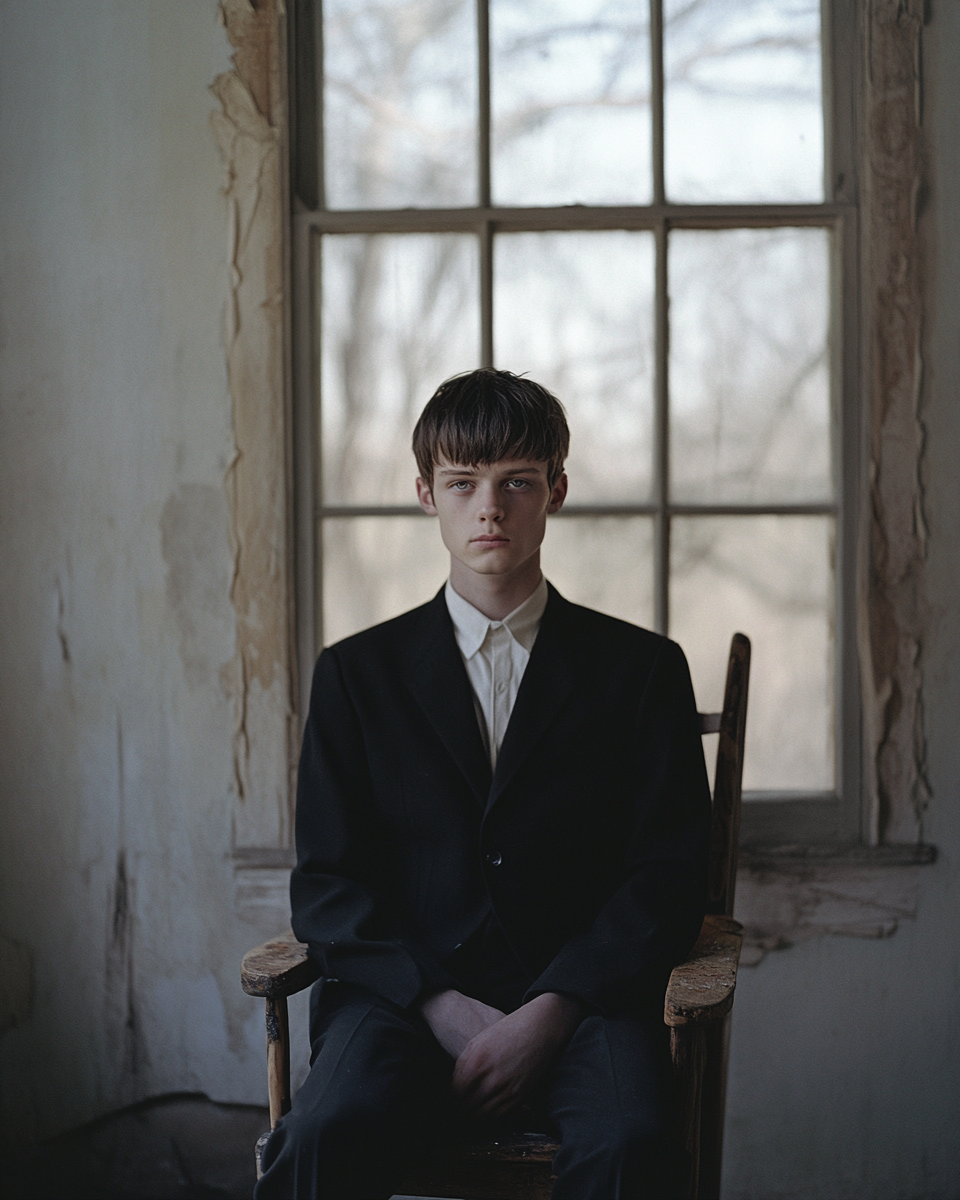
(624, 957)
(353, 930)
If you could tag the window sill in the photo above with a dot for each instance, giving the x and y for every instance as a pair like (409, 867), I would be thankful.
(792, 893)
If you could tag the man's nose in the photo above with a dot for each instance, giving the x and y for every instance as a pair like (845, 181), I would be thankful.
(491, 508)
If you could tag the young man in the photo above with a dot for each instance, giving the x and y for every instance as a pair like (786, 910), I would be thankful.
(502, 825)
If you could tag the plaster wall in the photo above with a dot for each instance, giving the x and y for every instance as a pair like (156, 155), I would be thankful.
(845, 1055)
(118, 641)
(118, 632)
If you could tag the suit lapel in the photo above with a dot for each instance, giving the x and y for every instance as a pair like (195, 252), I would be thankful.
(547, 685)
(438, 680)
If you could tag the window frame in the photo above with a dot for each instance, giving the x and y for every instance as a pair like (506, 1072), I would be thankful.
(808, 818)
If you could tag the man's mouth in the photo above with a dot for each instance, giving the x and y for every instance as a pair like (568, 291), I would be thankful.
(491, 539)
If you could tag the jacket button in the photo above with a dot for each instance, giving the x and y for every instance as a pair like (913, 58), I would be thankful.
(494, 858)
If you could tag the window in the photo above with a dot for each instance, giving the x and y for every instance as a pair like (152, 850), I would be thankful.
(648, 205)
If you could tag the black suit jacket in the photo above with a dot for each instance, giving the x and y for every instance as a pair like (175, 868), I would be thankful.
(589, 841)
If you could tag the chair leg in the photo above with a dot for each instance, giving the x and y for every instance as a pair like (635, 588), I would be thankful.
(687, 1048)
(712, 1109)
(278, 1069)
(278, 1059)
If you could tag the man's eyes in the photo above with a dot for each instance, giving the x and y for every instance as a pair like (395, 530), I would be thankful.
(463, 485)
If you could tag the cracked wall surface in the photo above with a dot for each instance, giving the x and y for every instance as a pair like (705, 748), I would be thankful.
(894, 531)
(142, 555)
(782, 904)
(845, 1075)
(250, 127)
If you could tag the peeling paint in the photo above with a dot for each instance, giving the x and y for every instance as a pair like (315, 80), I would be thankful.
(894, 542)
(781, 907)
(250, 130)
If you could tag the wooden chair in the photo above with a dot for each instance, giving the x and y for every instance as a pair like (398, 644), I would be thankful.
(697, 1008)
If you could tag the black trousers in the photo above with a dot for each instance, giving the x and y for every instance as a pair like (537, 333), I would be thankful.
(378, 1092)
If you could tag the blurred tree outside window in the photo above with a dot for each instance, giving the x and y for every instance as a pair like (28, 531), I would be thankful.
(625, 200)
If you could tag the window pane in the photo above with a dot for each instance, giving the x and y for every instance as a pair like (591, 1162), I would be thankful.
(772, 579)
(375, 568)
(575, 310)
(742, 104)
(399, 315)
(603, 562)
(400, 103)
(570, 93)
(749, 385)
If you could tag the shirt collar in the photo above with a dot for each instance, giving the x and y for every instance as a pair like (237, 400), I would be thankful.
(471, 626)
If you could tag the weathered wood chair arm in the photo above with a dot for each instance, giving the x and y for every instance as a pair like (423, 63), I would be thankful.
(278, 968)
(701, 988)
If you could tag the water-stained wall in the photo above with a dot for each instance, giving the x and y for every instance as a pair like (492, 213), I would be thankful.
(145, 672)
(126, 644)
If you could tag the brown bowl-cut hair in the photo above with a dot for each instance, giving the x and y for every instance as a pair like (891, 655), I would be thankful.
(484, 416)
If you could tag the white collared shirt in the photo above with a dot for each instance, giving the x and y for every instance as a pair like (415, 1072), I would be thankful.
(495, 654)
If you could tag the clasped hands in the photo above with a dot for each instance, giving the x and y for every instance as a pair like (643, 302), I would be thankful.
(500, 1058)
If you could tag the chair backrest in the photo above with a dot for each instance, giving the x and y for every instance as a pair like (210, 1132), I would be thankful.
(728, 778)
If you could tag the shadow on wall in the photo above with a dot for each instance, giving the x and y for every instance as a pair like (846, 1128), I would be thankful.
(182, 1146)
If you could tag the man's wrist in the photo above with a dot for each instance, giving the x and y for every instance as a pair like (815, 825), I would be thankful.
(558, 1011)
(564, 1002)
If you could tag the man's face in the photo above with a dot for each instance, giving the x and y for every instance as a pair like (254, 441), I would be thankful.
(492, 518)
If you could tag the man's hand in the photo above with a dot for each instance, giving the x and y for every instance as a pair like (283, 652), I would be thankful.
(455, 1019)
(504, 1062)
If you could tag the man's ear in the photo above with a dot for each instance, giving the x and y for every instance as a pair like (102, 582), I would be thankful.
(425, 496)
(557, 495)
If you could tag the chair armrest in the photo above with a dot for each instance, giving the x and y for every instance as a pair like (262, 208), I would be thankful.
(701, 988)
(278, 968)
